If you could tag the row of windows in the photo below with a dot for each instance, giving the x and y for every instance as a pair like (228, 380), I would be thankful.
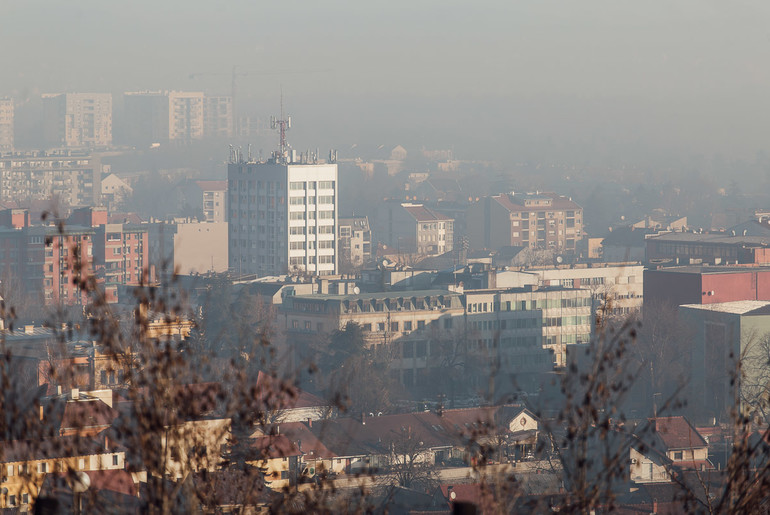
(311, 245)
(300, 201)
(311, 260)
(311, 215)
(526, 305)
(311, 185)
(566, 321)
(269, 185)
(43, 468)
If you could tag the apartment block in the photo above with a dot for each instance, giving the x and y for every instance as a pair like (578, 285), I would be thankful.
(411, 228)
(536, 220)
(282, 217)
(218, 117)
(355, 241)
(77, 119)
(73, 177)
(163, 116)
(6, 125)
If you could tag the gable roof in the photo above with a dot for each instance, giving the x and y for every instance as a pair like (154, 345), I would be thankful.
(423, 214)
(677, 433)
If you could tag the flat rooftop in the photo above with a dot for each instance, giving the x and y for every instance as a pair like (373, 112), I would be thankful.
(738, 307)
(377, 295)
(713, 239)
(708, 270)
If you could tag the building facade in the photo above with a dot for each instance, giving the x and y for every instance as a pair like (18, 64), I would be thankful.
(74, 177)
(218, 117)
(517, 322)
(213, 198)
(187, 247)
(674, 286)
(164, 116)
(355, 241)
(282, 218)
(520, 331)
(6, 125)
(410, 228)
(540, 220)
(77, 119)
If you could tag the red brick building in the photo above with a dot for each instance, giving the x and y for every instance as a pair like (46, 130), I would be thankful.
(675, 286)
(50, 261)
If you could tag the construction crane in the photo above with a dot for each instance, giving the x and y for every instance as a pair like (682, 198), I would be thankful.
(235, 74)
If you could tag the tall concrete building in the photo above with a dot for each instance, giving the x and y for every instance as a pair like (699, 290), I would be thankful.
(163, 116)
(6, 124)
(218, 117)
(77, 119)
(282, 216)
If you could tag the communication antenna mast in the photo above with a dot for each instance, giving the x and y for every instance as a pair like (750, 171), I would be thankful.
(282, 125)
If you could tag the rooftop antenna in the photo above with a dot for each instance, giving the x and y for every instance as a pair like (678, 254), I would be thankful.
(282, 125)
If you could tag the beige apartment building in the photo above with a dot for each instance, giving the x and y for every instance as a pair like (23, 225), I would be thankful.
(77, 119)
(164, 116)
(536, 220)
(6, 125)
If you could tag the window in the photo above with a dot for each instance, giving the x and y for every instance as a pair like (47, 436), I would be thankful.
(115, 460)
(678, 455)
(381, 326)
(42, 468)
(408, 325)
(10, 470)
(394, 327)
(81, 463)
(408, 350)
(11, 500)
(421, 349)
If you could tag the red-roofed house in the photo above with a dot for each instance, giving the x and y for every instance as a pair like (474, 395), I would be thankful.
(279, 458)
(682, 443)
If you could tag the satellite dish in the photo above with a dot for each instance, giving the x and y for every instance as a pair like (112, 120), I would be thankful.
(356, 290)
(80, 482)
(559, 259)
(453, 495)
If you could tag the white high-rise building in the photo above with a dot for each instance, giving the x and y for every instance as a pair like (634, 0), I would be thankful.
(282, 216)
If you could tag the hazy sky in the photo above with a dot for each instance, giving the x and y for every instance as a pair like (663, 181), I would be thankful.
(528, 78)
